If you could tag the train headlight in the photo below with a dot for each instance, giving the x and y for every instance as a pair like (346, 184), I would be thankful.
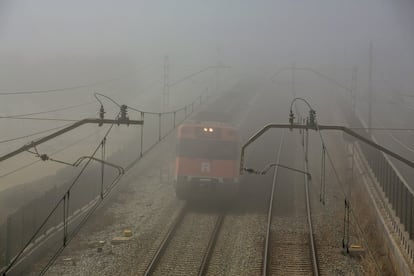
(208, 129)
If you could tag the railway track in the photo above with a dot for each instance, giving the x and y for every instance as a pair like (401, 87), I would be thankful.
(188, 245)
(289, 247)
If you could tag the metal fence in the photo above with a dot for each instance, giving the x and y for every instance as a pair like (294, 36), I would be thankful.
(399, 195)
(56, 214)
(21, 225)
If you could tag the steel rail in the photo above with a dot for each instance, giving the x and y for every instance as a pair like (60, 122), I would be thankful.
(266, 254)
(170, 234)
(211, 244)
(315, 262)
(162, 247)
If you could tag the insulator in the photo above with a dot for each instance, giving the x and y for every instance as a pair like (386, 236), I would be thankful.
(312, 117)
(124, 112)
(101, 114)
(44, 157)
(291, 117)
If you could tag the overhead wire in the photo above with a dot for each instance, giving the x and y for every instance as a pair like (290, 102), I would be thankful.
(398, 141)
(339, 181)
(39, 119)
(143, 111)
(54, 90)
(342, 188)
(382, 128)
(94, 207)
(47, 111)
(152, 84)
(67, 88)
(21, 116)
(340, 184)
(78, 227)
(55, 208)
(48, 119)
(106, 97)
(83, 221)
(53, 153)
(190, 76)
(33, 134)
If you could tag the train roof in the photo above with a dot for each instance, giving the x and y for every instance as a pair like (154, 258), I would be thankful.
(211, 116)
(195, 123)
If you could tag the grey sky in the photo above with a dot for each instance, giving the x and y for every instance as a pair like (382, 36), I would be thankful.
(247, 32)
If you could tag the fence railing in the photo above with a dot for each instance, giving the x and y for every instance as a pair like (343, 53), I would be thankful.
(54, 218)
(398, 193)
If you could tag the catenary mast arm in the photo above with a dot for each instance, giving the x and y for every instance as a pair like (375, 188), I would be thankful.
(321, 127)
(66, 129)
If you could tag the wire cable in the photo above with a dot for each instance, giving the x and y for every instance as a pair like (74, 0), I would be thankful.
(170, 111)
(339, 181)
(51, 261)
(147, 112)
(39, 119)
(53, 153)
(33, 134)
(190, 76)
(75, 180)
(63, 89)
(398, 141)
(107, 97)
(342, 188)
(382, 128)
(47, 111)
(10, 265)
(23, 116)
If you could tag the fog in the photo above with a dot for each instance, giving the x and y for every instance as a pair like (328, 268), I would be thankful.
(54, 55)
(260, 34)
(118, 48)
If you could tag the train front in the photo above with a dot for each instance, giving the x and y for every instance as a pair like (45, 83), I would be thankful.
(207, 160)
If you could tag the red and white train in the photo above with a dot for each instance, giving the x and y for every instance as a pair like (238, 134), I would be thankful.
(207, 160)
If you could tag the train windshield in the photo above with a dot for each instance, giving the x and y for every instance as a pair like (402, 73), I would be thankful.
(211, 149)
